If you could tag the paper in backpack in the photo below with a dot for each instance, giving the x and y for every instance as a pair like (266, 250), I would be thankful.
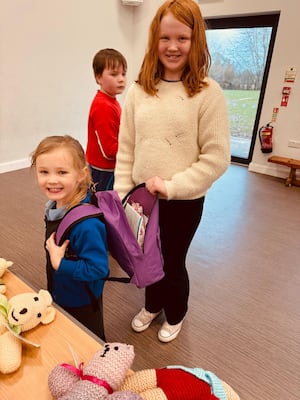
(136, 222)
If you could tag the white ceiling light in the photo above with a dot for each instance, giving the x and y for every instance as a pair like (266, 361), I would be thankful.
(132, 2)
(209, 1)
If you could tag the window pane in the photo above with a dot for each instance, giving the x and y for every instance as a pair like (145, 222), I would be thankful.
(238, 63)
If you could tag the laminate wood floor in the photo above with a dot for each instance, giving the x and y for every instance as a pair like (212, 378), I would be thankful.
(244, 312)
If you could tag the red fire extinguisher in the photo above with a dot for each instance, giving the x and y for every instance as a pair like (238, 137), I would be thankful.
(265, 137)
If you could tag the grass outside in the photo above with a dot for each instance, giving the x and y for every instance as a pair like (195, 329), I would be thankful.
(242, 107)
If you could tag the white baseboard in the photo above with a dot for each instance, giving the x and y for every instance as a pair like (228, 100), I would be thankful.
(279, 171)
(14, 165)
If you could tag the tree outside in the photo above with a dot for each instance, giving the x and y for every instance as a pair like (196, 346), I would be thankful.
(238, 63)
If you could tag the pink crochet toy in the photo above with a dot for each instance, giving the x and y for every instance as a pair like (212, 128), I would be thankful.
(107, 376)
(100, 379)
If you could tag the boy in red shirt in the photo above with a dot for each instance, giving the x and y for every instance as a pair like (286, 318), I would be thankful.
(110, 69)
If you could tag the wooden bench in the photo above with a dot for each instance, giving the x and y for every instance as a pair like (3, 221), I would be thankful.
(292, 164)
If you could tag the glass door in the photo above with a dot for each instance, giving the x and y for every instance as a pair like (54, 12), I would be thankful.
(241, 50)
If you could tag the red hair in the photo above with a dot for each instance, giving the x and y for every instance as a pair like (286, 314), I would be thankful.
(152, 70)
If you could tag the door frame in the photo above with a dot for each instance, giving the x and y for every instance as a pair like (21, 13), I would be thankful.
(251, 21)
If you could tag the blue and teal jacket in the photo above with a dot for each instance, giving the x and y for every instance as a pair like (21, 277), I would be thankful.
(81, 274)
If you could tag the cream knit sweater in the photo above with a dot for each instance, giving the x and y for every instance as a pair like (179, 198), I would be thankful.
(184, 140)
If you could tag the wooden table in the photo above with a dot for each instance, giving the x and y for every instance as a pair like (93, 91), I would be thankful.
(30, 381)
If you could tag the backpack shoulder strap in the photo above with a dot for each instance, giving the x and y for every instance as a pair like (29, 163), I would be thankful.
(73, 216)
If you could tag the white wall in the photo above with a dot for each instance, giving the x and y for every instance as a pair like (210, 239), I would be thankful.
(46, 77)
(46, 81)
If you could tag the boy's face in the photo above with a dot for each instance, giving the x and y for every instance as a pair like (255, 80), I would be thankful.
(112, 81)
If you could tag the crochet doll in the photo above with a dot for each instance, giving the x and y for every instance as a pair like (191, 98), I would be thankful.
(98, 380)
(177, 383)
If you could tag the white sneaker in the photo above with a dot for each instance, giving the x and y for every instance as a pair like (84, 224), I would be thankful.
(168, 332)
(143, 320)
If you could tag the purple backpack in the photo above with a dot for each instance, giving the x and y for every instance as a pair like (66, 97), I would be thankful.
(143, 264)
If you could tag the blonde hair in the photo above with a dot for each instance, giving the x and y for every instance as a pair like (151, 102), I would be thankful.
(196, 70)
(51, 143)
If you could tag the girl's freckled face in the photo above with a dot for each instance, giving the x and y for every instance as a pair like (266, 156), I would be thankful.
(174, 46)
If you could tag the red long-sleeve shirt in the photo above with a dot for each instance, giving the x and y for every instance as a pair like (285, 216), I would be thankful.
(103, 131)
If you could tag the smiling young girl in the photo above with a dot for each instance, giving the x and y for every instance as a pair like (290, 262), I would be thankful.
(76, 269)
(174, 135)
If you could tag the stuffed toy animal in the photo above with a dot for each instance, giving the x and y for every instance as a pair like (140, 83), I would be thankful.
(21, 313)
(4, 265)
(98, 380)
(177, 383)
(107, 377)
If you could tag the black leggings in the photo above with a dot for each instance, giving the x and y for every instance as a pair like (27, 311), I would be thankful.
(178, 220)
(91, 316)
